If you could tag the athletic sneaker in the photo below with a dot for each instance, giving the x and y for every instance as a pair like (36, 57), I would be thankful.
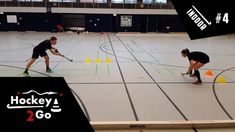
(198, 82)
(49, 70)
(26, 74)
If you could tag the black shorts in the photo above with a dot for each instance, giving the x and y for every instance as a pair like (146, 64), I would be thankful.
(36, 53)
(204, 61)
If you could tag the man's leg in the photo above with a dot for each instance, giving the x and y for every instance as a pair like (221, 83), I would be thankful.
(32, 60)
(46, 57)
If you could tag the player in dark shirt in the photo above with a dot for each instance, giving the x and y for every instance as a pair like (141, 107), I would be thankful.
(196, 59)
(40, 50)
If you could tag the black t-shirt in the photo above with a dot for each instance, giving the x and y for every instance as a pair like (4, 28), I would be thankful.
(43, 46)
(198, 56)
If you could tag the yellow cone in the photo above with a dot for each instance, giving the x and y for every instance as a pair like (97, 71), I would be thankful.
(108, 60)
(88, 60)
(97, 61)
(220, 79)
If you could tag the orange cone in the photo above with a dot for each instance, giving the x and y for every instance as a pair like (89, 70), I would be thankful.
(209, 73)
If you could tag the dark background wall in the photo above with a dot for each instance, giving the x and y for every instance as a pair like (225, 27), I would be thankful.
(91, 22)
(30, 22)
(98, 23)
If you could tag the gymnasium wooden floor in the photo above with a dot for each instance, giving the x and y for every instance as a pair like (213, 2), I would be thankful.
(133, 77)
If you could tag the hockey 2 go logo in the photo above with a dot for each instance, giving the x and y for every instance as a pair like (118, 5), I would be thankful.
(34, 100)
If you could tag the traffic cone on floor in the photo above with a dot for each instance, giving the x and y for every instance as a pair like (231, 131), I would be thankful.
(220, 79)
(208, 73)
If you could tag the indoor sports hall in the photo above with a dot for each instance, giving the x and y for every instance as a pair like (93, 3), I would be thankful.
(129, 81)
